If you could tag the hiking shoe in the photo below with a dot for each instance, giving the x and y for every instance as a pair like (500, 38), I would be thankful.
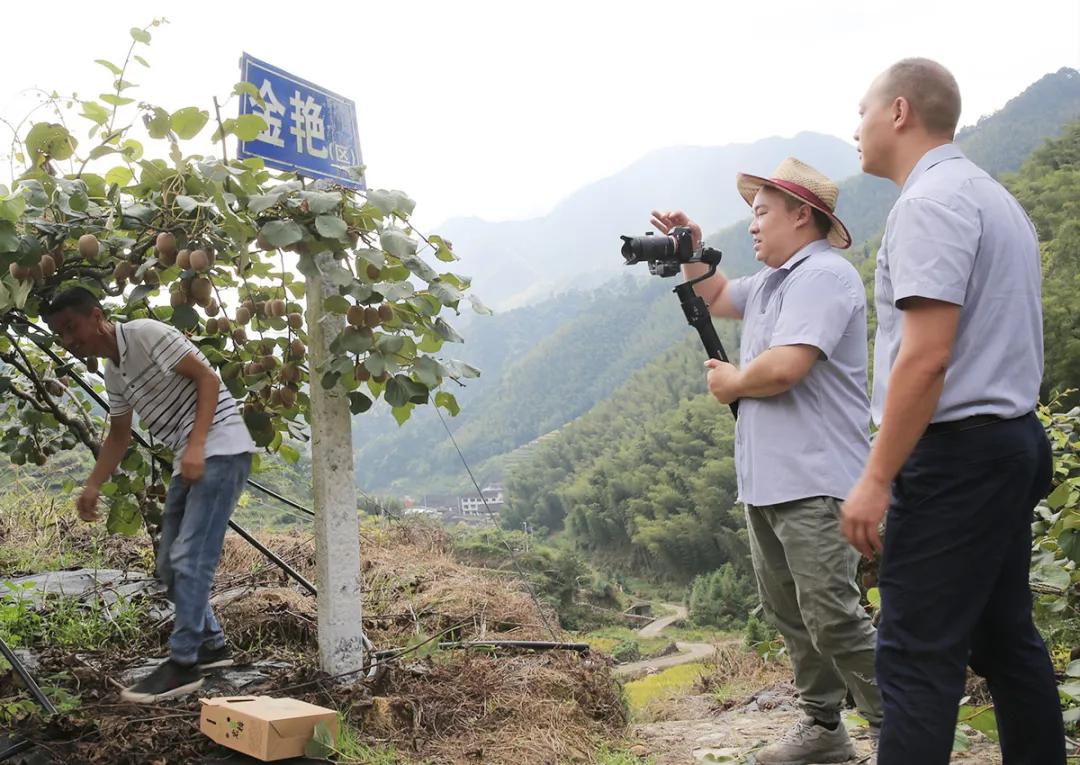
(807, 743)
(214, 657)
(168, 681)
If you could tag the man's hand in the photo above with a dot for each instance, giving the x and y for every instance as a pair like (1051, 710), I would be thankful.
(192, 463)
(862, 513)
(86, 504)
(665, 221)
(723, 381)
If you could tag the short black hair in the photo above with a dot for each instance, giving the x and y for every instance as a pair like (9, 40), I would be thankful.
(78, 299)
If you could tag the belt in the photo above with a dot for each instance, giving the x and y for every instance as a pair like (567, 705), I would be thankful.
(968, 423)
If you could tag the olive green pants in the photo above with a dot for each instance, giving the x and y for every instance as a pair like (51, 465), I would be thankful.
(805, 572)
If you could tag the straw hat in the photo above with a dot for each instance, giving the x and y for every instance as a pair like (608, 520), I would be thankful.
(799, 180)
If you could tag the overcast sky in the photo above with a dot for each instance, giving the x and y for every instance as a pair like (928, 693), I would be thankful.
(499, 109)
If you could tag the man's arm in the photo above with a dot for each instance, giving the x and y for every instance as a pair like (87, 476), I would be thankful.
(110, 455)
(775, 371)
(928, 331)
(207, 386)
(714, 290)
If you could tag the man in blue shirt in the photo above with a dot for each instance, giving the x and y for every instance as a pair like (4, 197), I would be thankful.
(800, 442)
(960, 459)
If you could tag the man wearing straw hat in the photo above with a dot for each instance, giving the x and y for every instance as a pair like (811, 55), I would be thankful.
(800, 442)
(960, 459)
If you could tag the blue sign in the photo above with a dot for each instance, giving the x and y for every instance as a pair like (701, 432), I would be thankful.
(310, 131)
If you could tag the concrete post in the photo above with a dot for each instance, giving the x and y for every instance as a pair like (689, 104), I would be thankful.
(337, 529)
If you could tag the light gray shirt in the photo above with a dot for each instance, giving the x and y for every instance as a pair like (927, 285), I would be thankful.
(956, 235)
(813, 439)
(146, 380)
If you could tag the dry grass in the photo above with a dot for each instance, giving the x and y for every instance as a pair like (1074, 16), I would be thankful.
(544, 708)
(450, 707)
(734, 672)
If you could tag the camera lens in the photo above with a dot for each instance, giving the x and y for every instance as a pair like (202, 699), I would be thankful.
(638, 248)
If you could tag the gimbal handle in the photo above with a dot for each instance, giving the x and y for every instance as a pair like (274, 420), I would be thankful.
(697, 313)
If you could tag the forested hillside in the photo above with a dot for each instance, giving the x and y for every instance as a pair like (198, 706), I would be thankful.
(645, 480)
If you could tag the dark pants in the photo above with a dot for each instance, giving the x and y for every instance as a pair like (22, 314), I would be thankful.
(954, 587)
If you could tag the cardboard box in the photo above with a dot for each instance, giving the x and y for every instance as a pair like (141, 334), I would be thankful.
(262, 726)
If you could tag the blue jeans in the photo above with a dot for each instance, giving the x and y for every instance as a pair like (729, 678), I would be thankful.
(954, 592)
(192, 534)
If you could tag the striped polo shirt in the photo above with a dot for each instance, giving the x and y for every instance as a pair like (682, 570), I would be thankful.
(145, 381)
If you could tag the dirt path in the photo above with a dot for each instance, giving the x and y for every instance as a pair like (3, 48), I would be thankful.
(701, 733)
(688, 652)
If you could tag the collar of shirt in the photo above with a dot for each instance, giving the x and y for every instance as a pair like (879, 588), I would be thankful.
(935, 156)
(121, 343)
(818, 245)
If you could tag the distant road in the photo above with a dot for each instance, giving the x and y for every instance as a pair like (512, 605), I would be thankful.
(688, 652)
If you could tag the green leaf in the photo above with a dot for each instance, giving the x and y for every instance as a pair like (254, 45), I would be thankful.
(873, 596)
(1069, 542)
(961, 743)
(330, 379)
(1059, 495)
(320, 202)
(428, 371)
(132, 149)
(140, 35)
(397, 243)
(459, 369)
(158, 124)
(388, 202)
(185, 318)
(12, 209)
(981, 719)
(446, 332)
(430, 343)
(282, 233)
(1051, 574)
(47, 140)
(402, 413)
(120, 176)
(442, 249)
(142, 61)
(337, 304)
(95, 112)
(375, 364)
(448, 402)
(289, 454)
(400, 390)
(247, 88)
(331, 227)
(109, 65)
(116, 100)
(248, 126)
(358, 402)
(355, 342)
(445, 293)
(479, 306)
(187, 122)
(124, 517)
(321, 744)
(9, 239)
(258, 203)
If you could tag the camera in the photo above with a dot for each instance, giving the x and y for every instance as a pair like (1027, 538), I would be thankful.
(665, 254)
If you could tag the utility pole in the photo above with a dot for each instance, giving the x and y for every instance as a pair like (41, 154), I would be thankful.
(337, 529)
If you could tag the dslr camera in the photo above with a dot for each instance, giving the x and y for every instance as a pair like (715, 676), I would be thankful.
(667, 253)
